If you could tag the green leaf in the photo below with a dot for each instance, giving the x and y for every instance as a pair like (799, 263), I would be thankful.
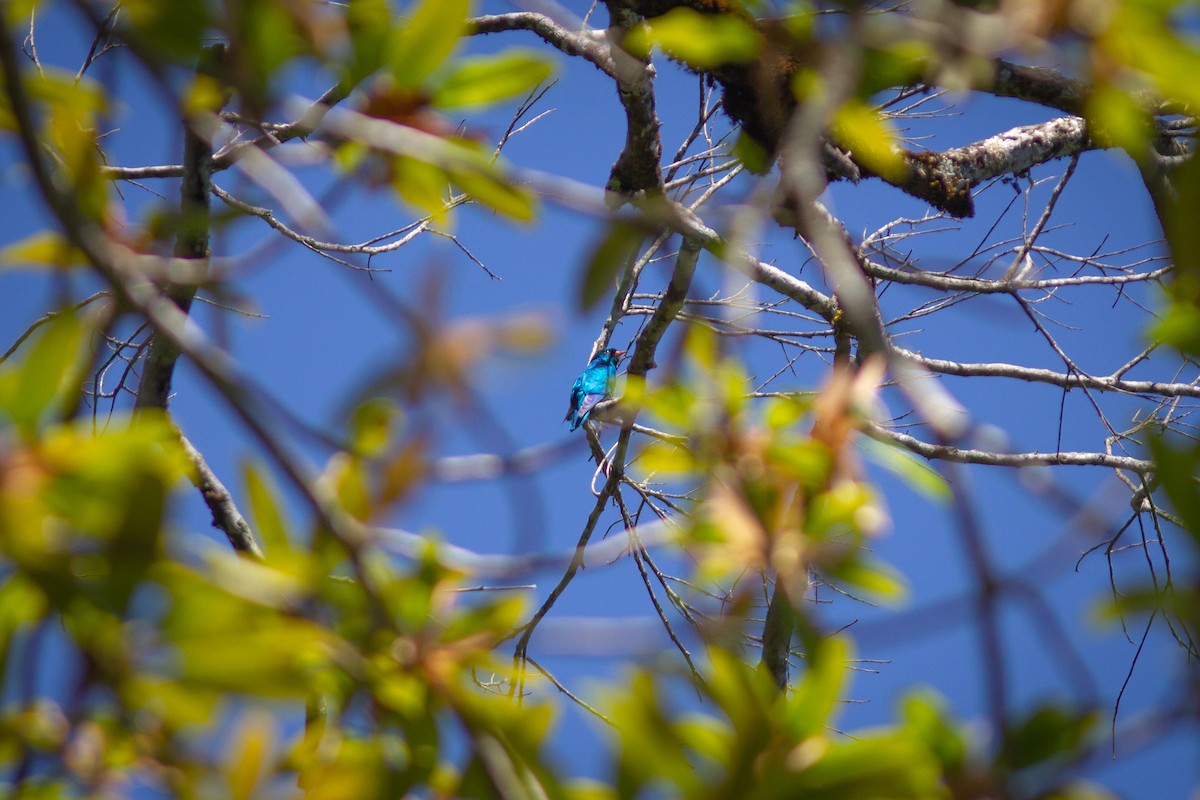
(666, 459)
(431, 34)
(271, 661)
(371, 426)
(806, 460)
(646, 728)
(870, 138)
(907, 467)
(877, 579)
(45, 378)
(703, 41)
(1177, 469)
(810, 708)
(900, 63)
(172, 31)
(615, 250)
(1051, 732)
(42, 249)
(753, 155)
(497, 191)
(484, 80)
(674, 403)
(21, 605)
(1117, 119)
(890, 765)
(926, 719)
(783, 412)
(422, 185)
(268, 517)
(370, 24)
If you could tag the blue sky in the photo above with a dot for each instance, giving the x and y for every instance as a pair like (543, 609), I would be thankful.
(321, 337)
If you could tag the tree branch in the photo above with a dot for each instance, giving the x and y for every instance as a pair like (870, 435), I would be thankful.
(946, 452)
(225, 515)
(191, 242)
(1065, 380)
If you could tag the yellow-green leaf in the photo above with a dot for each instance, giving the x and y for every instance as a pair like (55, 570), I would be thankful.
(484, 80)
(704, 41)
(45, 376)
(666, 459)
(1117, 119)
(269, 520)
(877, 579)
(41, 249)
(431, 34)
(371, 426)
(496, 191)
(906, 466)
(869, 138)
(422, 185)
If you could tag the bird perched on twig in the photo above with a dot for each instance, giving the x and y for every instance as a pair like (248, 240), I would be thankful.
(594, 384)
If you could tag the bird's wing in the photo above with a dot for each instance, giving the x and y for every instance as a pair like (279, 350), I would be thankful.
(596, 380)
(588, 402)
(576, 396)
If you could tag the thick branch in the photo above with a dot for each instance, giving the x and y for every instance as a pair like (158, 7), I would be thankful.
(777, 635)
(638, 168)
(1042, 85)
(945, 180)
(191, 242)
(588, 44)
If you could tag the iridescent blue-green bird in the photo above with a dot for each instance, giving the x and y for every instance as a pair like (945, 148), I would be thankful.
(594, 384)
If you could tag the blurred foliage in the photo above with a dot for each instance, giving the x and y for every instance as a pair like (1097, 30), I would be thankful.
(129, 666)
(783, 490)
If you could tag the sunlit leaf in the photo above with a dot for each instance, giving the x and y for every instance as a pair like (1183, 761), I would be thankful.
(247, 756)
(906, 466)
(496, 191)
(483, 80)
(814, 699)
(1118, 120)
(422, 185)
(869, 138)
(874, 578)
(753, 155)
(370, 25)
(673, 403)
(46, 375)
(783, 412)
(430, 34)
(269, 661)
(836, 511)
(665, 459)
(347, 769)
(703, 41)
(889, 764)
(371, 426)
(269, 519)
(350, 478)
(21, 604)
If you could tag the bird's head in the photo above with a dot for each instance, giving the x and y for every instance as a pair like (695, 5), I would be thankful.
(614, 355)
